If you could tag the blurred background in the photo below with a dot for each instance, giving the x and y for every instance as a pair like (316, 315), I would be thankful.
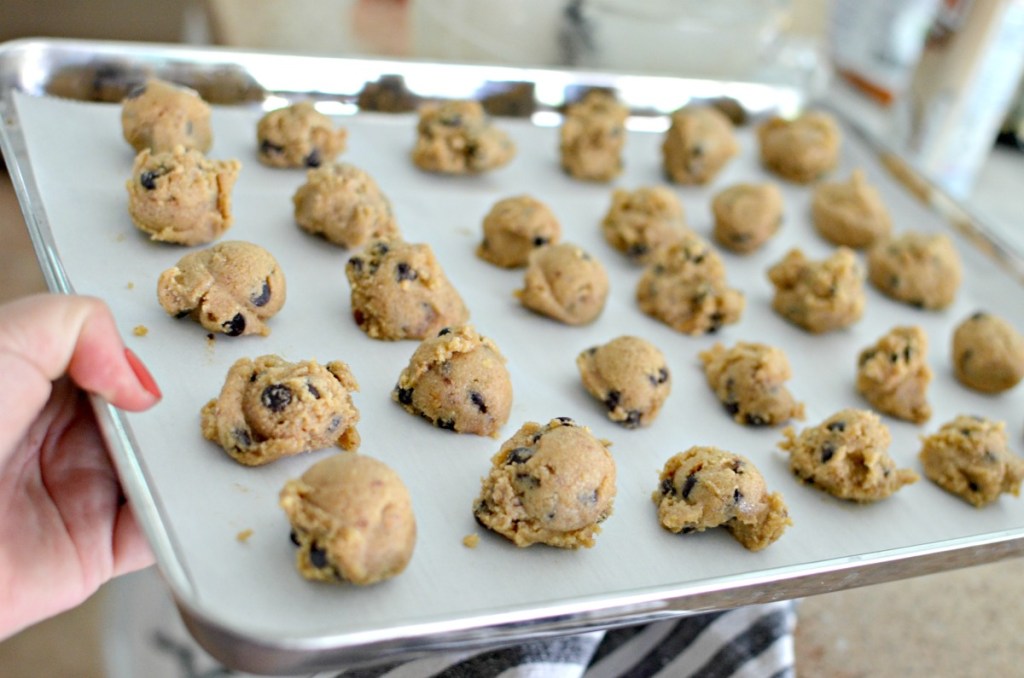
(940, 80)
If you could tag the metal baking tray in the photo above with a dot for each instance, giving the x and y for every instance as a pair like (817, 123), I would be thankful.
(241, 598)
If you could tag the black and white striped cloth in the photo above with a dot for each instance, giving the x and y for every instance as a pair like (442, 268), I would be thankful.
(146, 637)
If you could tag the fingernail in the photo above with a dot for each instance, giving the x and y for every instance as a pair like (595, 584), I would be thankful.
(142, 374)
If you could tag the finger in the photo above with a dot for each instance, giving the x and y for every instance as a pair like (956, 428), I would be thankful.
(57, 334)
(130, 548)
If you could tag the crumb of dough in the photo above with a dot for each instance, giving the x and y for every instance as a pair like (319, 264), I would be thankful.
(471, 541)
(244, 535)
(130, 285)
(140, 330)
(120, 237)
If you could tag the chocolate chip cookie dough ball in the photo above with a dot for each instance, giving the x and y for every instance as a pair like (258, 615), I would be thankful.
(629, 376)
(551, 484)
(458, 381)
(565, 283)
(352, 520)
(592, 136)
(456, 137)
(706, 487)
(847, 456)
(400, 291)
(639, 222)
(233, 287)
(514, 228)
(988, 353)
(345, 205)
(918, 269)
(749, 379)
(698, 144)
(819, 296)
(298, 136)
(160, 115)
(969, 457)
(746, 216)
(850, 213)
(893, 376)
(270, 408)
(684, 286)
(181, 196)
(800, 150)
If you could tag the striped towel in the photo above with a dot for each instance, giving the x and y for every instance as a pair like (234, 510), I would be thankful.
(146, 637)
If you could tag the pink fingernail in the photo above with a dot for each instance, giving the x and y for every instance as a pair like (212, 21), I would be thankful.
(142, 374)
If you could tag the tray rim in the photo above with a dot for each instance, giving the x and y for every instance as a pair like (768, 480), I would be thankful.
(261, 653)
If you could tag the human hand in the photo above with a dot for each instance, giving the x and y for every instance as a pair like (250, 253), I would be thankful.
(65, 528)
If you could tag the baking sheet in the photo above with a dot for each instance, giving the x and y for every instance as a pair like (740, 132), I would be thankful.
(201, 499)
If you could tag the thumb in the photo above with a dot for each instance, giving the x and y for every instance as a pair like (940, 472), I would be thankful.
(43, 337)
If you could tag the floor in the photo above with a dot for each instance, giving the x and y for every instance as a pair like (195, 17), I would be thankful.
(962, 623)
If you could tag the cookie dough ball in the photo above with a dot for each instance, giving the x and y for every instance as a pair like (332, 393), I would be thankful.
(893, 376)
(699, 142)
(850, 213)
(233, 287)
(160, 115)
(917, 269)
(344, 204)
(565, 283)
(550, 484)
(592, 137)
(819, 296)
(456, 137)
(181, 196)
(351, 519)
(684, 287)
(641, 221)
(514, 228)
(969, 457)
(749, 379)
(847, 456)
(458, 381)
(746, 216)
(800, 150)
(400, 291)
(630, 376)
(270, 408)
(298, 136)
(988, 353)
(706, 487)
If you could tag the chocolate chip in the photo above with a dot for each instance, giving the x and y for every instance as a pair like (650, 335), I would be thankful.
(527, 480)
(839, 425)
(587, 498)
(755, 420)
(660, 378)
(866, 356)
(827, 451)
(235, 326)
(637, 250)
(149, 177)
(444, 331)
(317, 557)
(294, 538)
(447, 424)
(358, 316)
(632, 419)
(267, 147)
(210, 336)
(540, 241)
(731, 406)
(894, 357)
(404, 395)
(479, 401)
(519, 455)
(313, 159)
(404, 271)
(907, 353)
(737, 496)
(917, 303)
(276, 397)
(313, 390)
(183, 314)
(566, 421)
(973, 486)
(611, 401)
(978, 315)
(688, 484)
(716, 320)
(335, 423)
(356, 264)
(380, 248)
(263, 297)
(667, 487)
